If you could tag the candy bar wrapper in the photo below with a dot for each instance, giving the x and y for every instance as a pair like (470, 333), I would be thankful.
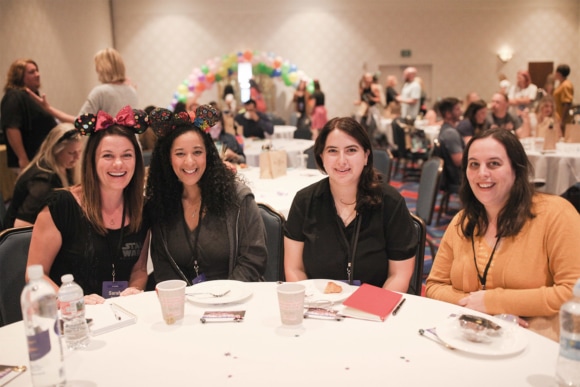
(225, 316)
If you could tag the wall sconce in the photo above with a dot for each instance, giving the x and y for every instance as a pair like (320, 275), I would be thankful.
(505, 54)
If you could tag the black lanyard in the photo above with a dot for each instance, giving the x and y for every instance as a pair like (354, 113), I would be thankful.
(353, 243)
(483, 279)
(192, 248)
(117, 252)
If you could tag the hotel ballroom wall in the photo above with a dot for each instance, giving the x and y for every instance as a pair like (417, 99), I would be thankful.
(332, 40)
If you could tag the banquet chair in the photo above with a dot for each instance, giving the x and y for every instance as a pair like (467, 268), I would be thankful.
(383, 161)
(427, 193)
(274, 224)
(2, 211)
(416, 283)
(14, 244)
(311, 161)
(407, 159)
(448, 188)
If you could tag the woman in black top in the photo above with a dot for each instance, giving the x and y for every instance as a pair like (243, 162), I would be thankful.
(350, 226)
(95, 230)
(54, 166)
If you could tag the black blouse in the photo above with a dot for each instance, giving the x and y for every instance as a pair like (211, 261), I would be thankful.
(386, 233)
(86, 254)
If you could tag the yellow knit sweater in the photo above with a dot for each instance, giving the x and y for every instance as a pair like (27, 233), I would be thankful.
(531, 274)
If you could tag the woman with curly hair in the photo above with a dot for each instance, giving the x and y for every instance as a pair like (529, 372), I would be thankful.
(206, 224)
(352, 225)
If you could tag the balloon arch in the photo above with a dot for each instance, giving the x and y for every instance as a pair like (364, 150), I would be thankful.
(217, 69)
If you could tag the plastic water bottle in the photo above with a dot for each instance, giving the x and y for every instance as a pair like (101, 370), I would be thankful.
(568, 368)
(40, 314)
(72, 310)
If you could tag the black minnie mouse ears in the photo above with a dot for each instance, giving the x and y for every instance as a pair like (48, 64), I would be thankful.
(164, 121)
(134, 119)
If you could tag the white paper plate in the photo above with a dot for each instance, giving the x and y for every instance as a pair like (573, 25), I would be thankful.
(315, 290)
(238, 291)
(512, 340)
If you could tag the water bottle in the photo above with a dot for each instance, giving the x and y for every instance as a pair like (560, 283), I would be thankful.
(72, 310)
(568, 368)
(40, 315)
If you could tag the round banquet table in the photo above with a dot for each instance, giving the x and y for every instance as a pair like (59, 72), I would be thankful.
(252, 353)
(284, 131)
(279, 192)
(557, 169)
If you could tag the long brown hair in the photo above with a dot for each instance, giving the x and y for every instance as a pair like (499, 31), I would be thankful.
(90, 184)
(369, 192)
(518, 208)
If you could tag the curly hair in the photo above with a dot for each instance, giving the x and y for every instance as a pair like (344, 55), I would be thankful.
(369, 191)
(164, 190)
(16, 72)
(518, 208)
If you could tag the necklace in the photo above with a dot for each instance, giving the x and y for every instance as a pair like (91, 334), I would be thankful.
(347, 204)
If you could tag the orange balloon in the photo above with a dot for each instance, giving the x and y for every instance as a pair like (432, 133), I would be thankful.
(210, 77)
(248, 55)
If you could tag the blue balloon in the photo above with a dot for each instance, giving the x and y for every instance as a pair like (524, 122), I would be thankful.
(293, 68)
(277, 73)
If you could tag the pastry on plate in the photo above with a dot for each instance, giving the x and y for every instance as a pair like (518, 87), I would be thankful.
(332, 288)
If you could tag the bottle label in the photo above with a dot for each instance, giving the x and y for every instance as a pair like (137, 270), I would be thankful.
(70, 308)
(570, 348)
(39, 345)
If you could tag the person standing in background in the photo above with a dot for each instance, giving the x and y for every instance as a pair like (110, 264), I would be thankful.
(319, 114)
(114, 92)
(256, 95)
(391, 93)
(563, 95)
(410, 96)
(524, 92)
(25, 124)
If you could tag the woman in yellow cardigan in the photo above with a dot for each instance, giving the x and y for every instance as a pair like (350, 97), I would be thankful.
(510, 250)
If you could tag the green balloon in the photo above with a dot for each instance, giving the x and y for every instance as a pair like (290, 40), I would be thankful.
(310, 87)
(218, 77)
(204, 69)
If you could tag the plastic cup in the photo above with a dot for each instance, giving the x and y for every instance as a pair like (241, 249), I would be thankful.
(171, 296)
(291, 302)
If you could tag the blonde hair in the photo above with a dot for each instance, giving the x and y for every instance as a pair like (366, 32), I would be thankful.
(54, 143)
(110, 66)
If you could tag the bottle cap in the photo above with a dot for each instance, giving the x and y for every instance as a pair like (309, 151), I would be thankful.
(35, 272)
(67, 278)
(576, 290)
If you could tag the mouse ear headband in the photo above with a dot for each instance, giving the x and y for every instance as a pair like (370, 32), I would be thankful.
(134, 119)
(164, 121)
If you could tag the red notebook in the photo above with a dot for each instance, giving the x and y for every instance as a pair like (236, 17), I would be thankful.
(371, 303)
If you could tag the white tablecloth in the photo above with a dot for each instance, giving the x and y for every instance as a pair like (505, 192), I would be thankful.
(284, 131)
(279, 192)
(251, 353)
(293, 148)
(559, 170)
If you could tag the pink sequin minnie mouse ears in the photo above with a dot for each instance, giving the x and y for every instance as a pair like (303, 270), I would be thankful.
(134, 119)
(164, 121)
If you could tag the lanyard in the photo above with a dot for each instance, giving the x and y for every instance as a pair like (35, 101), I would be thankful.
(353, 243)
(117, 252)
(192, 248)
(483, 279)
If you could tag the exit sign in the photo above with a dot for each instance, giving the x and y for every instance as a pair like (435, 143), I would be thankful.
(405, 53)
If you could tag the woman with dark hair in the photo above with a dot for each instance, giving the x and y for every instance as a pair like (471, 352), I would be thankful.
(205, 224)
(352, 225)
(510, 250)
(474, 120)
(54, 166)
(95, 230)
(563, 95)
(318, 108)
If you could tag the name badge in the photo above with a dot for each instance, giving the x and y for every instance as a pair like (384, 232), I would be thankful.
(114, 288)
(198, 279)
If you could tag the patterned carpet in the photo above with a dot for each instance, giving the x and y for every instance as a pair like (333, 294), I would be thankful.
(409, 191)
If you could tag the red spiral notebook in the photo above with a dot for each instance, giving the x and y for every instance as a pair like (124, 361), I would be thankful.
(370, 302)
